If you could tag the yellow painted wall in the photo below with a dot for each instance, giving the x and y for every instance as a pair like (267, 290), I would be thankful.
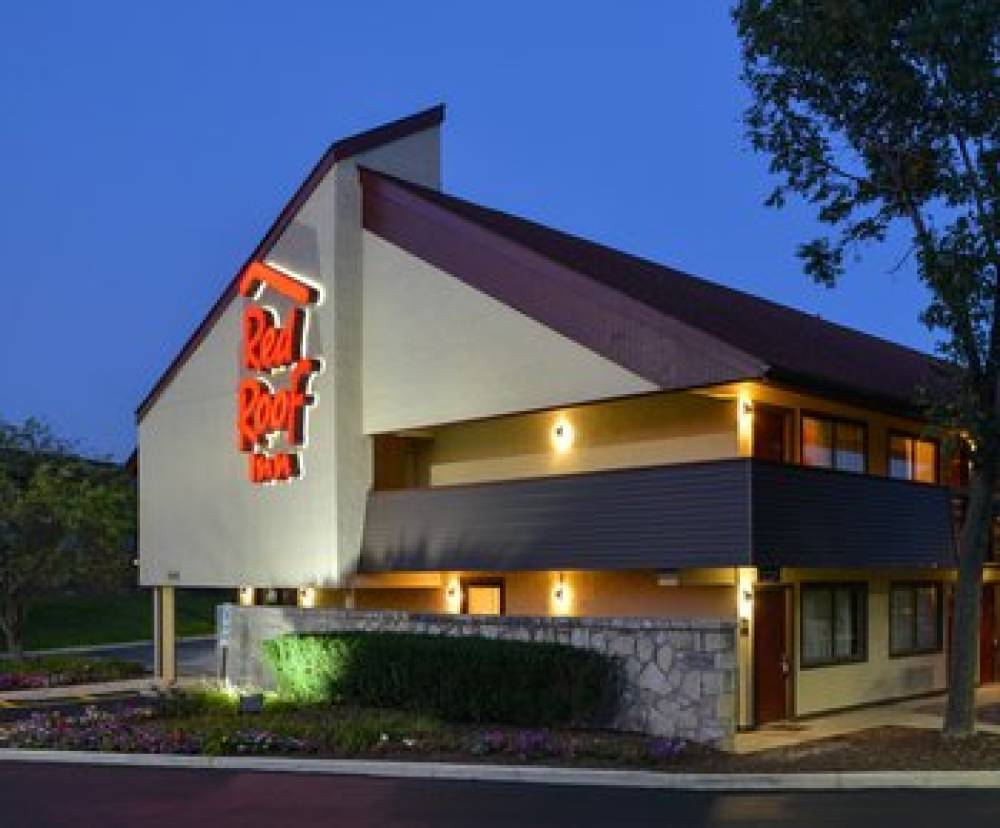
(879, 677)
(609, 594)
(640, 431)
(879, 424)
(651, 429)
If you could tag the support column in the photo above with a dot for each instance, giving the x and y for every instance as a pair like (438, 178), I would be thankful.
(746, 577)
(164, 635)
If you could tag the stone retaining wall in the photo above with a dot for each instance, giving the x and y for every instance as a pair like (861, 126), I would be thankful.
(678, 676)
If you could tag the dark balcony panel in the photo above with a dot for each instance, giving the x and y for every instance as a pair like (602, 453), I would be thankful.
(665, 517)
(817, 518)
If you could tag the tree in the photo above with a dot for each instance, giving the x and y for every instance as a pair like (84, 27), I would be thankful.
(63, 520)
(885, 114)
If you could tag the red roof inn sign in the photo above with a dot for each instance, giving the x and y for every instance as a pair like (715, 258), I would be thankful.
(271, 402)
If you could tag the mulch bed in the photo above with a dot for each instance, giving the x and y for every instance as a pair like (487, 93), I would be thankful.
(883, 748)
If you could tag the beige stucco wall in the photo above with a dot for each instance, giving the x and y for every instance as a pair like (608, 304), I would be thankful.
(879, 677)
(639, 431)
(202, 523)
(437, 351)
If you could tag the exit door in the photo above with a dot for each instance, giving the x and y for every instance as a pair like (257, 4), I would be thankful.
(772, 655)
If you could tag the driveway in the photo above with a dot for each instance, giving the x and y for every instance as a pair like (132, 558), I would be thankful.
(150, 797)
(195, 656)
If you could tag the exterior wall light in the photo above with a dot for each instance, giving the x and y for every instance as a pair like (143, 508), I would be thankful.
(307, 597)
(562, 435)
(246, 596)
(746, 578)
(561, 597)
(453, 597)
(744, 423)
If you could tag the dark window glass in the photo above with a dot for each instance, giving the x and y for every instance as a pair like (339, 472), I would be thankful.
(834, 624)
(914, 619)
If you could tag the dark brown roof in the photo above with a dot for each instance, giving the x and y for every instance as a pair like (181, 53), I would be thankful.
(790, 345)
(337, 151)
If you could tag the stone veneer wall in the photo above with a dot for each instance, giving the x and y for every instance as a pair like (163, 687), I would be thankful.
(678, 676)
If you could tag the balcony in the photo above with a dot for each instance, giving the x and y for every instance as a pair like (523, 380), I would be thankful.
(739, 512)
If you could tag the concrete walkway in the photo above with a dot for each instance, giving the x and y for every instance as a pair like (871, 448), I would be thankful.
(926, 713)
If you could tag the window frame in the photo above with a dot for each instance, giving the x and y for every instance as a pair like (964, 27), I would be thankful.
(834, 419)
(833, 586)
(914, 585)
(908, 435)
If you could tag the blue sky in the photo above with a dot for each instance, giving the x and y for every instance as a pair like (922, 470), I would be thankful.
(146, 147)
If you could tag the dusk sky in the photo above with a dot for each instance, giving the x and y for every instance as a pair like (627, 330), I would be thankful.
(146, 147)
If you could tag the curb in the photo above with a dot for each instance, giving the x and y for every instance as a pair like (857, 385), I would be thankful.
(532, 774)
(112, 646)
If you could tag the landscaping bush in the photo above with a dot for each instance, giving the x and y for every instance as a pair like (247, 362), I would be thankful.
(457, 679)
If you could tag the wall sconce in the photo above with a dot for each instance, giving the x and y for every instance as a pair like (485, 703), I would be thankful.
(307, 597)
(747, 407)
(561, 596)
(453, 597)
(245, 596)
(746, 577)
(562, 435)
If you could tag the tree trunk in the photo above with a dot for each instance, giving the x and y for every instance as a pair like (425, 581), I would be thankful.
(12, 626)
(973, 543)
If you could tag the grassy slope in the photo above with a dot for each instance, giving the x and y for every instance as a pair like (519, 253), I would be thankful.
(104, 619)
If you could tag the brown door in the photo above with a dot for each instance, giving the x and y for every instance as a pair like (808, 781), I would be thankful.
(770, 433)
(988, 636)
(772, 656)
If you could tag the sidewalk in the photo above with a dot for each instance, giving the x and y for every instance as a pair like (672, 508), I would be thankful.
(926, 713)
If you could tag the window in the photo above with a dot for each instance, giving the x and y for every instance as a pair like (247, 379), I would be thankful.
(484, 597)
(834, 444)
(834, 623)
(914, 619)
(911, 458)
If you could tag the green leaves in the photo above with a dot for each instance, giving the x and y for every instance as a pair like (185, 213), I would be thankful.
(882, 113)
(64, 520)
(467, 679)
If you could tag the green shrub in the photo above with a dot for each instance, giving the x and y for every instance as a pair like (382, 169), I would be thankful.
(458, 679)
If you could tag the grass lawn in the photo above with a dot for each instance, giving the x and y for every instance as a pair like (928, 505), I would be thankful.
(105, 619)
(59, 671)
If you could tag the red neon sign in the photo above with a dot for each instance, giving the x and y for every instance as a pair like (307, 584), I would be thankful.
(265, 415)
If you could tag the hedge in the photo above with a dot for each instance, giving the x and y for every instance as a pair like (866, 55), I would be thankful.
(466, 679)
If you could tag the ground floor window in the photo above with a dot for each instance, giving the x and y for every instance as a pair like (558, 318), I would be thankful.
(834, 623)
(914, 619)
(484, 597)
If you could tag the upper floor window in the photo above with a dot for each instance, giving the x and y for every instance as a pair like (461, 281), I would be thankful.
(831, 443)
(911, 458)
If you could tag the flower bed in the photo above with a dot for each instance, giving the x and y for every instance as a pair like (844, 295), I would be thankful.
(210, 724)
(60, 671)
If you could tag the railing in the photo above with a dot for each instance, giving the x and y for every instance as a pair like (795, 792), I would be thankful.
(718, 513)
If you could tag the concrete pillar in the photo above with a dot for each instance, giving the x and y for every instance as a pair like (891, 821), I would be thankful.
(164, 635)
